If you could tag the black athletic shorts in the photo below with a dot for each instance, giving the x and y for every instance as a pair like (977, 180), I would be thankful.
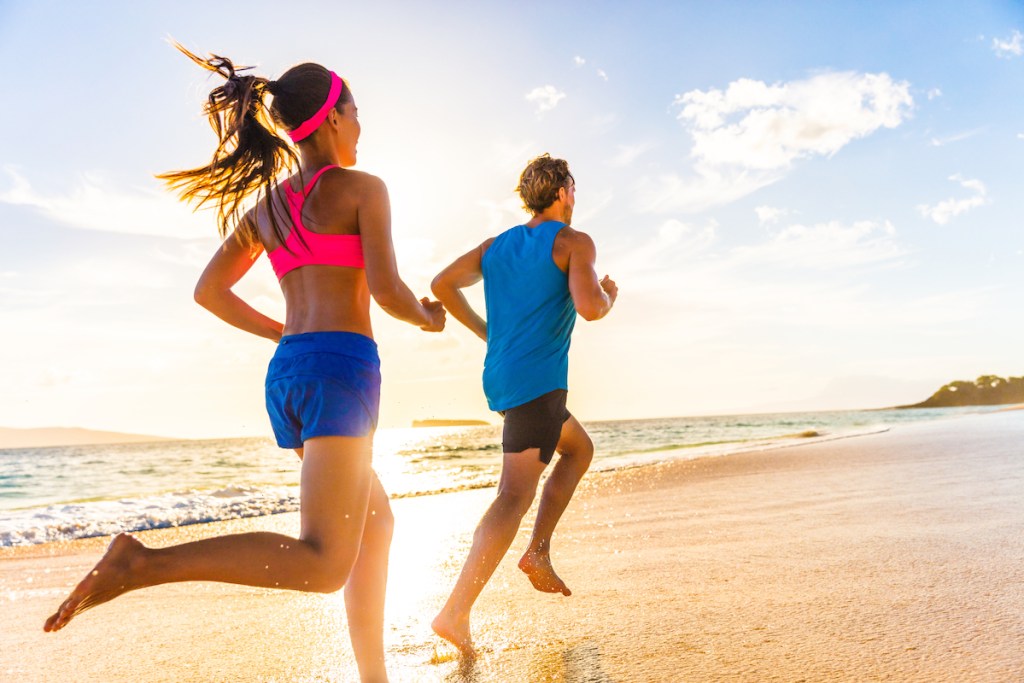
(535, 424)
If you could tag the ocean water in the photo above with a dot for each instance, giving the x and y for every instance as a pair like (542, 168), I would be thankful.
(63, 493)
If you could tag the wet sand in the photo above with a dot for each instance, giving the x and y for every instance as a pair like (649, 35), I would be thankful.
(896, 556)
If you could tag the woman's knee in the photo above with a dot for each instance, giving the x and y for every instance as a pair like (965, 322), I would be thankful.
(329, 577)
(380, 522)
(328, 567)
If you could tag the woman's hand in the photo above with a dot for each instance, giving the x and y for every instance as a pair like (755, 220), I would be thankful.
(435, 311)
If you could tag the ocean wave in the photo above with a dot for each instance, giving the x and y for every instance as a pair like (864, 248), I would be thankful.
(41, 502)
(708, 449)
(103, 518)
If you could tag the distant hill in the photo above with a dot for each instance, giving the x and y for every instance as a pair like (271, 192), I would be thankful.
(67, 436)
(987, 390)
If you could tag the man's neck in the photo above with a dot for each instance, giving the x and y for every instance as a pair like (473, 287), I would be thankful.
(552, 213)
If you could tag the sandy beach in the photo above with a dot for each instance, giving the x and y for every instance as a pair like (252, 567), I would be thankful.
(896, 556)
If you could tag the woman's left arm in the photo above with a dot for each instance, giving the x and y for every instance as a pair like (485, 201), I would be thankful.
(213, 291)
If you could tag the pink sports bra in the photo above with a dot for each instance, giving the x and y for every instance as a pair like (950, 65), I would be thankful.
(319, 249)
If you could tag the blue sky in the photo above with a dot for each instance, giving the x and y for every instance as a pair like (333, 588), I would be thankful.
(806, 205)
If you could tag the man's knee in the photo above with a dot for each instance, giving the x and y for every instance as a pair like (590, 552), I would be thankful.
(579, 449)
(515, 500)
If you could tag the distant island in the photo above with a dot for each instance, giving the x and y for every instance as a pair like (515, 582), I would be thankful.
(987, 390)
(450, 423)
(42, 437)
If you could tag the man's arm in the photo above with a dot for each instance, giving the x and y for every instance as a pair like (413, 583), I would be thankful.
(464, 272)
(592, 298)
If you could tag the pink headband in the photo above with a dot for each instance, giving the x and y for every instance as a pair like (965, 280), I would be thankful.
(313, 122)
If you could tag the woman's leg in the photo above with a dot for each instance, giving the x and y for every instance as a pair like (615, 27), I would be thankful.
(367, 583)
(365, 588)
(335, 487)
(575, 450)
(517, 487)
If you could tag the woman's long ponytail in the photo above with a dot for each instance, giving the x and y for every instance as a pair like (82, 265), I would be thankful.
(250, 156)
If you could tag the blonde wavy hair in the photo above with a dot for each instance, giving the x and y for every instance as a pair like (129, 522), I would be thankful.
(541, 180)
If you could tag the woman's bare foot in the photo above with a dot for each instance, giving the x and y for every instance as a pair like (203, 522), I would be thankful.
(537, 566)
(455, 631)
(107, 580)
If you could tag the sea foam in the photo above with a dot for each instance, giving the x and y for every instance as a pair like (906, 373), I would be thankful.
(102, 518)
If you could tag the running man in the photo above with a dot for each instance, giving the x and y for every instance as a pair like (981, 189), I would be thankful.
(537, 277)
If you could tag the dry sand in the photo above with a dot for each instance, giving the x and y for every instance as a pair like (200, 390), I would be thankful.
(895, 557)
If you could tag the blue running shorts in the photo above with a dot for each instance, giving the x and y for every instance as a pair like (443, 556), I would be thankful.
(323, 384)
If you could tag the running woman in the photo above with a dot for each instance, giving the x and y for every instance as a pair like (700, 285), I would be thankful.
(327, 232)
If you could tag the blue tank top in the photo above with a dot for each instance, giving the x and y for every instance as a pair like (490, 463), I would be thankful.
(530, 316)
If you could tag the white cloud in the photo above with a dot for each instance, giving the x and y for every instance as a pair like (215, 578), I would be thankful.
(1011, 47)
(589, 212)
(805, 275)
(501, 214)
(754, 125)
(652, 264)
(97, 274)
(708, 188)
(602, 123)
(95, 203)
(946, 210)
(511, 156)
(769, 215)
(1020, 136)
(579, 61)
(933, 93)
(750, 134)
(546, 97)
(956, 137)
(627, 154)
(826, 246)
(829, 248)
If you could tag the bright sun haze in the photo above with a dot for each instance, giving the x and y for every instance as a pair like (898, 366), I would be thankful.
(801, 212)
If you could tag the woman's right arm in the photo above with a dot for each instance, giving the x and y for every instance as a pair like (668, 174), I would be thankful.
(386, 285)
(213, 291)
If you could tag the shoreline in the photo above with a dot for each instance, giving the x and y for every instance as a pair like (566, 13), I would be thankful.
(889, 556)
(187, 505)
(604, 466)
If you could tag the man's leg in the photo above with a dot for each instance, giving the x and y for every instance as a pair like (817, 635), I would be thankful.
(520, 473)
(575, 450)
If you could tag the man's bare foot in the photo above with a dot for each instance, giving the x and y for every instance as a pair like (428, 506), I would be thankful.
(537, 566)
(107, 580)
(455, 631)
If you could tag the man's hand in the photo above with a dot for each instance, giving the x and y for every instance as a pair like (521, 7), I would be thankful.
(610, 288)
